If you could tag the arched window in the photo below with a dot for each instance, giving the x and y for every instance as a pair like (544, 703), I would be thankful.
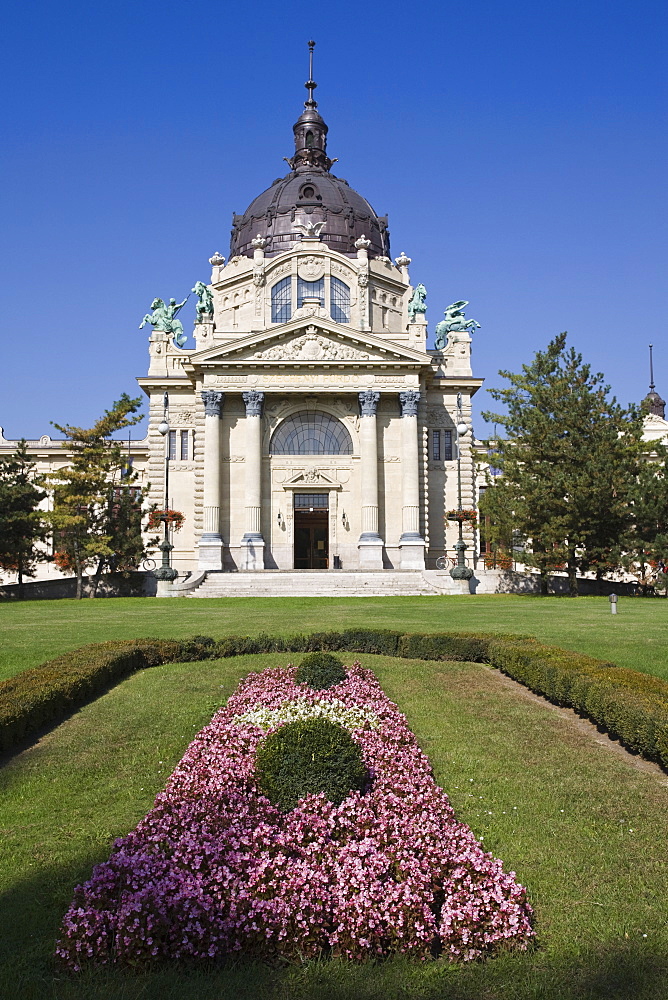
(281, 301)
(311, 290)
(340, 301)
(308, 433)
(309, 140)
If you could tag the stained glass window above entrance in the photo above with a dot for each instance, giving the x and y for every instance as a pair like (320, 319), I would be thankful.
(311, 434)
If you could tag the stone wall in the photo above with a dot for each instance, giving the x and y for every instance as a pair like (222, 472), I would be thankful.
(110, 585)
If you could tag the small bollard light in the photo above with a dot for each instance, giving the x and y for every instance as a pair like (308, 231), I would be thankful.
(613, 603)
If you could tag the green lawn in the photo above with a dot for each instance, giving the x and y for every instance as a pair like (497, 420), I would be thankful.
(636, 637)
(583, 828)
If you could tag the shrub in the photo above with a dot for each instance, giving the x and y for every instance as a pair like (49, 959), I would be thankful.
(467, 647)
(320, 671)
(46, 693)
(313, 755)
(200, 647)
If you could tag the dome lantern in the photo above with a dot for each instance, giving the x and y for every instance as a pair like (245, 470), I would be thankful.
(310, 193)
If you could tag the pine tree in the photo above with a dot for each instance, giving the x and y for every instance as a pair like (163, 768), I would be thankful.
(91, 525)
(646, 543)
(570, 458)
(22, 527)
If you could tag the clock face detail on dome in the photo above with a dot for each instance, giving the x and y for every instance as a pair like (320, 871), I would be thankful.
(309, 201)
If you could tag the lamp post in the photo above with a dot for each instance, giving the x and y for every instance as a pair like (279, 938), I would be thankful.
(461, 571)
(165, 573)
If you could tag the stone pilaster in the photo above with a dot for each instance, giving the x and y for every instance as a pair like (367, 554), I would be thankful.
(411, 544)
(211, 542)
(370, 545)
(252, 544)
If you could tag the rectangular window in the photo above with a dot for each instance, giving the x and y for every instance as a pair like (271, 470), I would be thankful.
(436, 445)
(184, 446)
(310, 290)
(172, 445)
(447, 450)
(339, 295)
(281, 301)
(306, 501)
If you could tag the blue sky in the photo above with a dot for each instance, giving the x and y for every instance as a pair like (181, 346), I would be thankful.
(519, 150)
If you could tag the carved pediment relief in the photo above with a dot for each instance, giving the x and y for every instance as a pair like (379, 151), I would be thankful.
(313, 346)
(311, 478)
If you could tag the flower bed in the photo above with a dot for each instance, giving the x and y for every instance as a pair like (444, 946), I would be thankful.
(215, 869)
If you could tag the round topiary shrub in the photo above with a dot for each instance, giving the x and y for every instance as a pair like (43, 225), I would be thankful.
(320, 671)
(312, 755)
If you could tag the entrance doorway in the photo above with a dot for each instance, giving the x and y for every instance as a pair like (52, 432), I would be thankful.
(311, 530)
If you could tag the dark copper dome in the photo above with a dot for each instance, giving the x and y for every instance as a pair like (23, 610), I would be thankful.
(310, 194)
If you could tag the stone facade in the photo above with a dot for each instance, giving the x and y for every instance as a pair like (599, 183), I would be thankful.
(382, 498)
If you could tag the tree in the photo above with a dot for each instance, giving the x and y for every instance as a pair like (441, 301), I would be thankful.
(646, 543)
(570, 459)
(22, 526)
(97, 506)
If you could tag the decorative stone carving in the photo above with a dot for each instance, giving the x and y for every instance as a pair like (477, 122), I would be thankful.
(363, 279)
(217, 260)
(311, 268)
(253, 400)
(337, 268)
(362, 243)
(402, 260)
(311, 230)
(213, 402)
(368, 402)
(258, 276)
(409, 402)
(278, 272)
(260, 242)
(311, 311)
(311, 346)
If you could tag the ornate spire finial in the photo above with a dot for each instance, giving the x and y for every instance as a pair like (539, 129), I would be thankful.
(310, 83)
(651, 369)
(310, 131)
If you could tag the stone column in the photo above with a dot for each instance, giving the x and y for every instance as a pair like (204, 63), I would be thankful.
(370, 545)
(252, 544)
(211, 542)
(411, 544)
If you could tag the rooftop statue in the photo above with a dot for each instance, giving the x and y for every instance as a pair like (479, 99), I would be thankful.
(163, 319)
(204, 305)
(418, 302)
(455, 322)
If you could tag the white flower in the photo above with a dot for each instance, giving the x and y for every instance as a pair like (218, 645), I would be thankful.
(301, 708)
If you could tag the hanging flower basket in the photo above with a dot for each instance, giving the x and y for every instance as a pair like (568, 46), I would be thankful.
(466, 515)
(174, 518)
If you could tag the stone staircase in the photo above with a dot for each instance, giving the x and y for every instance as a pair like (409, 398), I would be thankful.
(321, 583)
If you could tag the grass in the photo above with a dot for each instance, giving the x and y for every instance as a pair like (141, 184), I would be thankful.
(583, 829)
(636, 637)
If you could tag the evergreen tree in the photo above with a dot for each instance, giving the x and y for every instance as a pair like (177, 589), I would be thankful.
(92, 524)
(570, 458)
(646, 543)
(22, 527)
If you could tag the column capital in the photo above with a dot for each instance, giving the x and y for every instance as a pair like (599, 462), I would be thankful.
(368, 402)
(253, 400)
(409, 402)
(213, 402)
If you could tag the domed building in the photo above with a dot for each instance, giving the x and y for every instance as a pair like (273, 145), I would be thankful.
(310, 428)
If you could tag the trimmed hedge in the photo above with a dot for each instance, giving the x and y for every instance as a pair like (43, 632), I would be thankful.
(630, 706)
(311, 755)
(320, 671)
